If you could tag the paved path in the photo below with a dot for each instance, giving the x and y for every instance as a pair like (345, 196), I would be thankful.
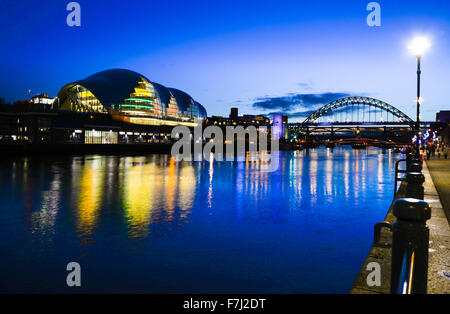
(439, 251)
(440, 173)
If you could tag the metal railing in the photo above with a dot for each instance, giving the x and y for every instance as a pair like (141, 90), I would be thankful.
(405, 283)
(397, 171)
(410, 234)
(410, 241)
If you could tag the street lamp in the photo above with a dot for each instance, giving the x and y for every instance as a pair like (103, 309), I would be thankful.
(418, 46)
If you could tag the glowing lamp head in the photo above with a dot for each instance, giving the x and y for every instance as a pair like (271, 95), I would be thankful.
(419, 45)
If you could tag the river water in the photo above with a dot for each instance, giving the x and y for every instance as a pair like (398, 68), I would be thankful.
(149, 224)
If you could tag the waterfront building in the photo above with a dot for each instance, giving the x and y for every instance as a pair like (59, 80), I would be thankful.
(442, 125)
(234, 119)
(234, 113)
(111, 107)
(130, 97)
(279, 126)
(43, 101)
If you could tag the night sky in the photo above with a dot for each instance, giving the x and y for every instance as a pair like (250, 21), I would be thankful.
(261, 56)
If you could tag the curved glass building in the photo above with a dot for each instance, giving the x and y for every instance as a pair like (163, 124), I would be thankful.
(130, 97)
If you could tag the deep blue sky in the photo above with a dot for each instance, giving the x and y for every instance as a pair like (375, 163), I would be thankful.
(232, 53)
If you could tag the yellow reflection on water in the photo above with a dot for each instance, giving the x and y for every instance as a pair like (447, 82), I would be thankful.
(170, 180)
(91, 190)
(139, 186)
(153, 191)
(186, 190)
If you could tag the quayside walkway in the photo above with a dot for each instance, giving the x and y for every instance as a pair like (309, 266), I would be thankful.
(439, 251)
(437, 194)
(439, 169)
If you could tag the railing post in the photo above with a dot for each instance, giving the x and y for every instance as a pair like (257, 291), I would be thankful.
(410, 239)
(377, 233)
(397, 171)
(414, 186)
(415, 167)
(408, 160)
(415, 160)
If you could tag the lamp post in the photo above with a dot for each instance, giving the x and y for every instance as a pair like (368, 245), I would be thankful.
(418, 94)
(419, 45)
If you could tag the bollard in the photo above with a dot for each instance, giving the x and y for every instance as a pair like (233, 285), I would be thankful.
(410, 239)
(408, 160)
(415, 167)
(377, 233)
(414, 186)
(415, 160)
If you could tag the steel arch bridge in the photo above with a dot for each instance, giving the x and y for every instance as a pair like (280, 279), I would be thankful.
(355, 103)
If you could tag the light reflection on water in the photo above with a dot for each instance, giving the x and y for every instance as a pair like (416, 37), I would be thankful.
(149, 224)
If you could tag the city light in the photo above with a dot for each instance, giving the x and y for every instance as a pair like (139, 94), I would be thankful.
(419, 45)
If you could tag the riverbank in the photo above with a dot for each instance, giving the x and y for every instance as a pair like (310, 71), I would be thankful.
(439, 249)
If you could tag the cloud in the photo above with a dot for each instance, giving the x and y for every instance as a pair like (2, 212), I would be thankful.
(301, 114)
(295, 101)
(305, 86)
(298, 114)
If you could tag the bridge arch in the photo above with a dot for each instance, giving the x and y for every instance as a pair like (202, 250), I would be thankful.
(357, 101)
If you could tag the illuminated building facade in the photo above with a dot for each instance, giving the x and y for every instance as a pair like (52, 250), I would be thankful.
(234, 119)
(43, 100)
(279, 126)
(130, 97)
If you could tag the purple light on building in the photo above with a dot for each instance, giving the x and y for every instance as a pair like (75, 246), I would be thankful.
(278, 127)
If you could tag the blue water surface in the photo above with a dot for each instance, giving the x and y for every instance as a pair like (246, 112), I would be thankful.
(146, 224)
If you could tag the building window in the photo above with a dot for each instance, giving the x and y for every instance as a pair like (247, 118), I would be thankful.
(100, 137)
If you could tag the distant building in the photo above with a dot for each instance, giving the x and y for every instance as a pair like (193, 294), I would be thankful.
(254, 120)
(285, 128)
(443, 116)
(234, 119)
(220, 121)
(442, 125)
(234, 114)
(279, 126)
(43, 100)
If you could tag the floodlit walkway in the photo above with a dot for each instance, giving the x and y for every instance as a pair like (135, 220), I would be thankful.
(437, 194)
